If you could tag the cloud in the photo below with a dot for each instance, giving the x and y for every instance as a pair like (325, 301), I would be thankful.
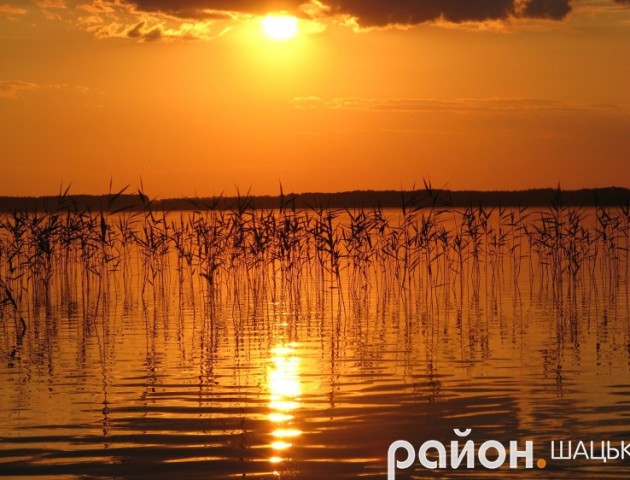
(17, 89)
(407, 13)
(401, 12)
(151, 30)
(153, 20)
(460, 106)
(6, 9)
(12, 89)
(551, 9)
(107, 19)
(148, 34)
(370, 13)
(151, 33)
(45, 4)
(216, 8)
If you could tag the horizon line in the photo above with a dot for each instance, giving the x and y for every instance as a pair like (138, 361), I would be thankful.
(129, 191)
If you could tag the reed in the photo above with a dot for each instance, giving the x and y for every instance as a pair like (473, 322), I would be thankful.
(425, 247)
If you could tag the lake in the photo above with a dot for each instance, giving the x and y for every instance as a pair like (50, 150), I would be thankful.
(300, 345)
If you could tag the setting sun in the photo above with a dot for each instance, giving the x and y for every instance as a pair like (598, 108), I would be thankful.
(280, 27)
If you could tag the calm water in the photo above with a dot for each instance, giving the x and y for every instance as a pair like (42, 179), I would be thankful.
(259, 379)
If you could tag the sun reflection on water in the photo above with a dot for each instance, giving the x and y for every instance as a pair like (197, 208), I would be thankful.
(284, 398)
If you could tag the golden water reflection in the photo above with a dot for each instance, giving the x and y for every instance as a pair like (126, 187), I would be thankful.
(284, 398)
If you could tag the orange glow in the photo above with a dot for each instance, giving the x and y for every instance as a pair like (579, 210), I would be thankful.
(284, 396)
(281, 445)
(301, 97)
(287, 433)
(279, 417)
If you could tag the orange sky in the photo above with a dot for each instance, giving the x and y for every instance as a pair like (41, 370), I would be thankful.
(193, 98)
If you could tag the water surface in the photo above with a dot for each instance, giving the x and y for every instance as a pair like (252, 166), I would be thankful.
(119, 378)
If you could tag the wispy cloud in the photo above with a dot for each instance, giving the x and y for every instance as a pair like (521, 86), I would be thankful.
(463, 105)
(151, 30)
(108, 19)
(54, 4)
(7, 9)
(19, 89)
(13, 89)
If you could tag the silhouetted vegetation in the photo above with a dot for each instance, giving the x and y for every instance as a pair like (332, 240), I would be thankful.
(612, 196)
(424, 245)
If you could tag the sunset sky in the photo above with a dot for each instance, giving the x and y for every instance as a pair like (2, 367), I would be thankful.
(195, 98)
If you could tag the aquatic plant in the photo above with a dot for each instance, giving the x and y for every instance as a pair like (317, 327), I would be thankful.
(426, 246)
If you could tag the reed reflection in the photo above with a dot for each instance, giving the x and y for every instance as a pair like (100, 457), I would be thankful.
(165, 366)
(284, 399)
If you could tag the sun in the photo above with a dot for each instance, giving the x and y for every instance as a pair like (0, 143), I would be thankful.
(280, 27)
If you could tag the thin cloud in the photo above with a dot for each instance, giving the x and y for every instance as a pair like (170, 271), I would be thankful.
(52, 4)
(465, 105)
(106, 19)
(19, 90)
(6, 9)
(151, 30)
(13, 89)
(211, 9)
(153, 33)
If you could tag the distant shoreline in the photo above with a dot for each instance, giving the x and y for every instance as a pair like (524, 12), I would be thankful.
(410, 199)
